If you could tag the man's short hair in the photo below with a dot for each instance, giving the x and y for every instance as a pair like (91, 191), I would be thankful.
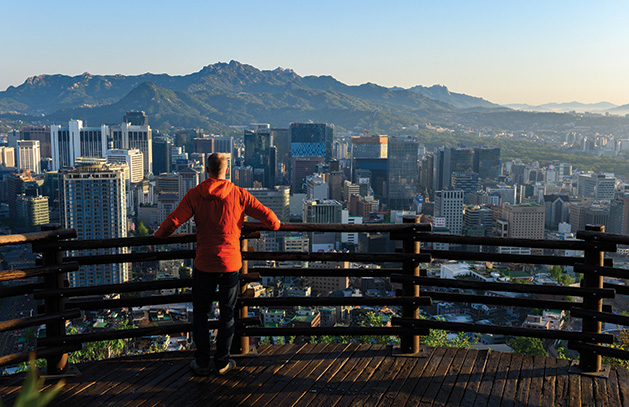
(217, 163)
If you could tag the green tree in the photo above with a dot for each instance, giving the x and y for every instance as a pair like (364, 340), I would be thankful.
(528, 346)
(141, 230)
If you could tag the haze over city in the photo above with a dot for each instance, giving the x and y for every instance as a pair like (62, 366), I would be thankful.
(533, 52)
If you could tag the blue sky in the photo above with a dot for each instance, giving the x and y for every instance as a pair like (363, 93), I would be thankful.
(507, 52)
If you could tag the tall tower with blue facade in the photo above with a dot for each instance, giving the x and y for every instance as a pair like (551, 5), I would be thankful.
(310, 146)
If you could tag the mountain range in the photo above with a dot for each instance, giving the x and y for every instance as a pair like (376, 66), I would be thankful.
(234, 94)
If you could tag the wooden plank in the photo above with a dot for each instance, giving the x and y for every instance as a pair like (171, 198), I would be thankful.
(195, 387)
(311, 374)
(537, 380)
(394, 393)
(487, 380)
(613, 390)
(458, 390)
(512, 381)
(451, 378)
(623, 384)
(600, 392)
(423, 383)
(471, 388)
(411, 381)
(251, 378)
(574, 390)
(288, 374)
(500, 380)
(562, 383)
(363, 378)
(439, 376)
(378, 383)
(587, 391)
(550, 378)
(524, 384)
(324, 391)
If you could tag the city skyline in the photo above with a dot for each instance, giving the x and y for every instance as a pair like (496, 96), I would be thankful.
(530, 53)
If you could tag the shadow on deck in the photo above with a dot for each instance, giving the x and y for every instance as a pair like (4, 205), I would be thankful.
(338, 375)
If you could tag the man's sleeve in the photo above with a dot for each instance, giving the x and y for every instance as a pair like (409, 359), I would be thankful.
(176, 218)
(256, 210)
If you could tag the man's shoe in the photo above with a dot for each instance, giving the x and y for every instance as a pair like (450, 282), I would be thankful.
(198, 370)
(229, 366)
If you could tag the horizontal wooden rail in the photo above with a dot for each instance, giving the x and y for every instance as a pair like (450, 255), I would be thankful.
(131, 257)
(130, 302)
(8, 275)
(8, 240)
(601, 270)
(620, 289)
(331, 331)
(136, 332)
(332, 301)
(114, 288)
(600, 350)
(352, 257)
(114, 242)
(504, 301)
(506, 242)
(38, 320)
(16, 290)
(324, 272)
(600, 316)
(502, 330)
(602, 237)
(345, 228)
(507, 287)
(503, 257)
(40, 353)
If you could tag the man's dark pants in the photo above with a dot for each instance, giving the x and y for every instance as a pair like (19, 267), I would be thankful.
(203, 294)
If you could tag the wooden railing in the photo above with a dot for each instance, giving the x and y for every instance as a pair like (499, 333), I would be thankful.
(60, 303)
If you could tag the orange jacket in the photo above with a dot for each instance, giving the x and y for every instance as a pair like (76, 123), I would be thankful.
(219, 208)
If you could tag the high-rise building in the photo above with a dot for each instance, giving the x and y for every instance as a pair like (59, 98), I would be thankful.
(370, 146)
(261, 154)
(326, 211)
(477, 221)
(316, 188)
(526, 221)
(487, 163)
(403, 177)
(557, 210)
(42, 134)
(136, 119)
(7, 156)
(93, 201)
(449, 204)
(311, 143)
(277, 199)
(74, 141)
(597, 186)
(188, 179)
(466, 181)
(128, 136)
(161, 155)
(619, 216)
(302, 168)
(29, 156)
(134, 160)
(32, 212)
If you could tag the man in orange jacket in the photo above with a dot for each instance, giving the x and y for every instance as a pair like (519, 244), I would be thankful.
(219, 208)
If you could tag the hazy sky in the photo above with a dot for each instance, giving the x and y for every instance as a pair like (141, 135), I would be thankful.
(507, 52)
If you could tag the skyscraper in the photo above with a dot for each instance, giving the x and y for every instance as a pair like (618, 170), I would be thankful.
(487, 163)
(311, 144)
(74, 141)
(134, 160)
(93, 201)
(42, 134)
(29, 156)
(261, 154)
(403, 177)
(128, 136)
(161, 155)
(277, 199)
(32, 212)
(449, 205)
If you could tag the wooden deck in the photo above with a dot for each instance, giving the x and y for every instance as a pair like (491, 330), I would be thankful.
(339, 375)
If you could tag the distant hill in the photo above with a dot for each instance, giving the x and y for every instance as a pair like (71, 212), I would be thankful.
(459, 100)
(600, 107)
(219, 95)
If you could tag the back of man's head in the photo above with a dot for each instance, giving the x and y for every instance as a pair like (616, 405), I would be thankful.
(217, 164)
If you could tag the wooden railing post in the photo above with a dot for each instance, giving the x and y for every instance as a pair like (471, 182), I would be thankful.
(409, 344)
(57, 363)
(591, 361)
(240, 344)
